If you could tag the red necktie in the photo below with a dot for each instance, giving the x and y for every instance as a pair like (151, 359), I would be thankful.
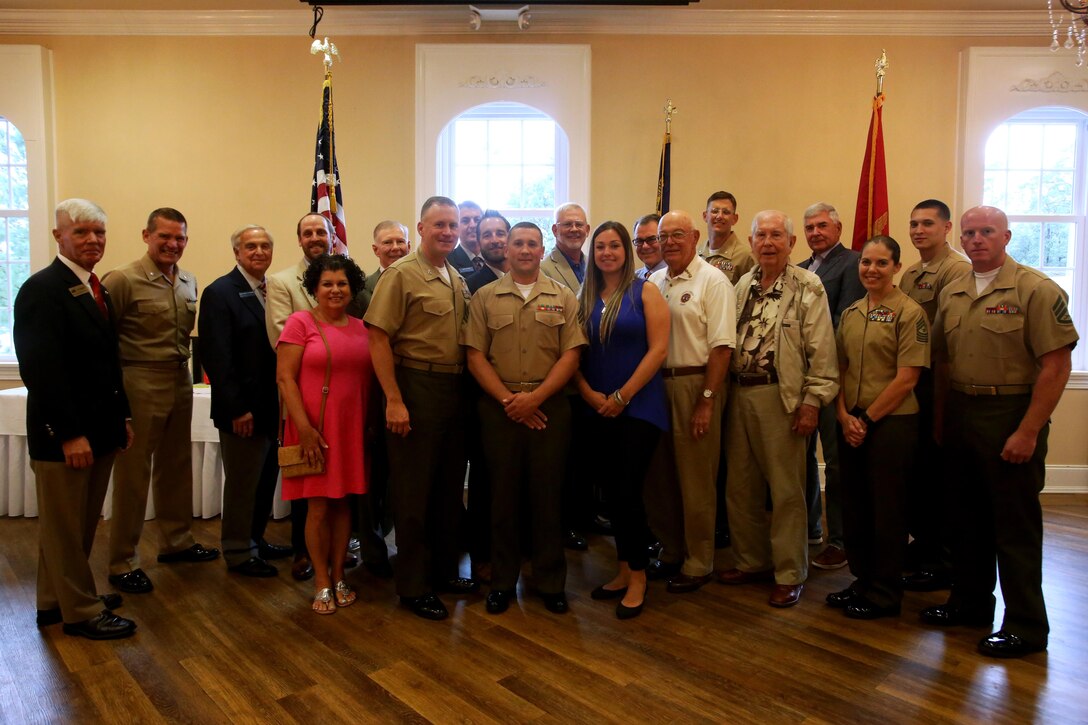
(99, 298)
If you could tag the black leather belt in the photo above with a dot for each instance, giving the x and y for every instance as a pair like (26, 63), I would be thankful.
(990, 389)
(681, 372)
(747, 380)
(428, 367)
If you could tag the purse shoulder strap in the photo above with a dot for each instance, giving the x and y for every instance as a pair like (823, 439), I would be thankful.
(324, 388)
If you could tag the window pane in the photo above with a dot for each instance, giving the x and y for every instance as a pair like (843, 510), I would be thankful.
(5, 298)
(993, 190)
(997, 148)
(19, 238)
(505, 186)
(539, 139)
(3, 239)
(19, 190)
(1057, 192)
(1064, 279)
(1058, 244)
(1060, 146)
(1023, 195)
(5, 187)
(539, 190)
(504, 142)
(470, 182)
(19, 274)
(6, 346)
(3, 140)
(1025, 146)
(470, 138)
(1026, 242)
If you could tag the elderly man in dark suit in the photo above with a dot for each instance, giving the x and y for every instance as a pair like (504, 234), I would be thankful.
(77, 418)
(837, 268)
(242, 370)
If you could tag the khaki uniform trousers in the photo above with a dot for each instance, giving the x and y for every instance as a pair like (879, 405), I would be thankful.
(763, 453)
(69, 507)
(161, 456)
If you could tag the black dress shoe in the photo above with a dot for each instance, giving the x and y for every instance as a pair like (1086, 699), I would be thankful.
(302, 569)
(841, 600)
(354, 544)
(254, 566)
(460, 585)
(381, 568)
(862, 608)
(683, 584)
(653, 550)
(195, 553)
(266, 550)
(555, 603)
(925, 581)
(602, 525)
(657, 570)
(947, 615)
(572, 540)
(601, 593)
(105, 626)
(498, 601)
(132, 582)
(350, 560)
(427, 606)
(48, 617)
(1005, 644)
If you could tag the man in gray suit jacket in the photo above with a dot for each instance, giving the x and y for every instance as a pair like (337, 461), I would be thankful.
(837, 268)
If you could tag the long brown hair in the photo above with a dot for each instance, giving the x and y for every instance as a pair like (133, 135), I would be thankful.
(594, 281)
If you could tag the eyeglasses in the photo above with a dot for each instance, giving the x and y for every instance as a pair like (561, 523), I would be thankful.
(643, 241)
(677, 236)
(573, 225)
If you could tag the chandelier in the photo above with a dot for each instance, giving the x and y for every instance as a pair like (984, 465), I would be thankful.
(1075, 33)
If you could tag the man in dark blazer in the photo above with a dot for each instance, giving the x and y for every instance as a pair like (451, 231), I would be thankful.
(242, 370)
(77, 418)
(837, 268)
(466, 257)
(492, 232)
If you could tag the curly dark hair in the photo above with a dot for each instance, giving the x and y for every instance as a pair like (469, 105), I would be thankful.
(333, 263)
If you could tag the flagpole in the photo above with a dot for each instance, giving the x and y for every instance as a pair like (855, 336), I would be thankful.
(664, 169)
(871, 213)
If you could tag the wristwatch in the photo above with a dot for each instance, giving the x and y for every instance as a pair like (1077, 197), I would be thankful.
(709, 394)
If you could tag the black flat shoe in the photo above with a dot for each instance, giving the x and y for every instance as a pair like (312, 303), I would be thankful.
(427, 606)
(132, 582)
(195, 553)
(255, 567)
(862, 608)
(556, 603)
(49, 617)
(947, 615)
(266, 550)
(1005, 645)
(498, 601)
(625, 612)
(105, 626)
(600, 593)
(460, 585)
(841, 600)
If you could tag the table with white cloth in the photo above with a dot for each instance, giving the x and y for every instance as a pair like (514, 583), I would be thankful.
(17, 491)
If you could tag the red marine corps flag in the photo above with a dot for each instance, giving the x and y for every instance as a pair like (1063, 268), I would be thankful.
(325, 196)
(871, 215)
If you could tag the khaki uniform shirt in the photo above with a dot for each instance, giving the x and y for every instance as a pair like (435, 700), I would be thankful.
(154, 317)
(734, 258)
(924, 285)
(524, 338)
(997, 338)
(874, 344)
(703, 312)
(423, 314)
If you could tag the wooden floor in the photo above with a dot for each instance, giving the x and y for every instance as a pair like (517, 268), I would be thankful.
(218, 648)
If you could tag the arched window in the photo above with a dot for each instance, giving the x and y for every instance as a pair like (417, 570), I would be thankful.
(505, 156)
(14, 227)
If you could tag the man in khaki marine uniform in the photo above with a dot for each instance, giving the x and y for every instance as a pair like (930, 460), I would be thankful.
(784, 370)
(927, 500)
(703, 324)
(155, 302)
(1003, 342)
(723, 248)
(524, 343)
(415, 319)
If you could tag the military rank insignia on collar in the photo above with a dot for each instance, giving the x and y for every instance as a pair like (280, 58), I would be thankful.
(1003, 310)
(923, 285)
(549, 308)
(882, 314)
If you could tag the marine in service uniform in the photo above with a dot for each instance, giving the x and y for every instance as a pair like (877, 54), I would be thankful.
(723, 249)
(1003, 342)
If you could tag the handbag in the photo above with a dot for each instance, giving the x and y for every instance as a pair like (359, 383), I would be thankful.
(292, 459)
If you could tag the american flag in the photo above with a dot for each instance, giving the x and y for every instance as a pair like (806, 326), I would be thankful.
(326, 174)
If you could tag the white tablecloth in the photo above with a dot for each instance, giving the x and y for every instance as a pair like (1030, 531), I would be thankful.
(17, 492)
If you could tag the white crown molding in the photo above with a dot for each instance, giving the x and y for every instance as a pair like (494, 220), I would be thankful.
(346, 21)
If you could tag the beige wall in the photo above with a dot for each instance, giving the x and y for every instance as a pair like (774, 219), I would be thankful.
(223, 129)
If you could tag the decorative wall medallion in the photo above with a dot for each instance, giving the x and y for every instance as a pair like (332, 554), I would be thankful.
(1056, 82)
(495, 81)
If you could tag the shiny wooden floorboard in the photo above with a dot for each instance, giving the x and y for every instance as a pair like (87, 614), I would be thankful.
(213, 647)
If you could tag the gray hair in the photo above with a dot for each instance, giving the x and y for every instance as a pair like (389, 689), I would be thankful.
(236, 238)
(567, 207)
(786, 221)
(389, 224)
(820, 207)
(80, 210)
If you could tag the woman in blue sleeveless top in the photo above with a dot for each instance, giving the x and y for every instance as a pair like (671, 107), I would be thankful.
(627, 322)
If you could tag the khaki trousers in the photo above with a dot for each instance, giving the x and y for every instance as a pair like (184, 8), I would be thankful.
(160, 458)
(763, 453)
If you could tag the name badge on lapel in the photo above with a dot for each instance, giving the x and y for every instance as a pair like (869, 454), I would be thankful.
(251, 293)
(78, 290)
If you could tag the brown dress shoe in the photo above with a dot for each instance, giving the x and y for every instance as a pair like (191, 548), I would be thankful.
(682, 583)
(736, 576)
(302, 569)
(786, 595)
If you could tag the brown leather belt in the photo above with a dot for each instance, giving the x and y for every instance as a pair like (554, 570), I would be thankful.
(428, 367)
(155, 364)
(990, 389)
(522, 387)
(680, 372)
(747, 380)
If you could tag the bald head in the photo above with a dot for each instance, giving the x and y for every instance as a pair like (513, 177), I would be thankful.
(984, 235)
(679, 238)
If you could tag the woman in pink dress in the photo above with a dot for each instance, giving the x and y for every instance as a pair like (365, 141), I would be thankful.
(337, 437)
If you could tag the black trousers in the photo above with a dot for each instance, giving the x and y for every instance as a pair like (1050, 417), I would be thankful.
(426, 481)
(526, 463)
(927, 493)
(477, 522)
(874, 506)
(618, 457)
(996, 513)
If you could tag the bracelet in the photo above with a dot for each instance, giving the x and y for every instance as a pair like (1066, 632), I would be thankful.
(864, 418)
(619, 398)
